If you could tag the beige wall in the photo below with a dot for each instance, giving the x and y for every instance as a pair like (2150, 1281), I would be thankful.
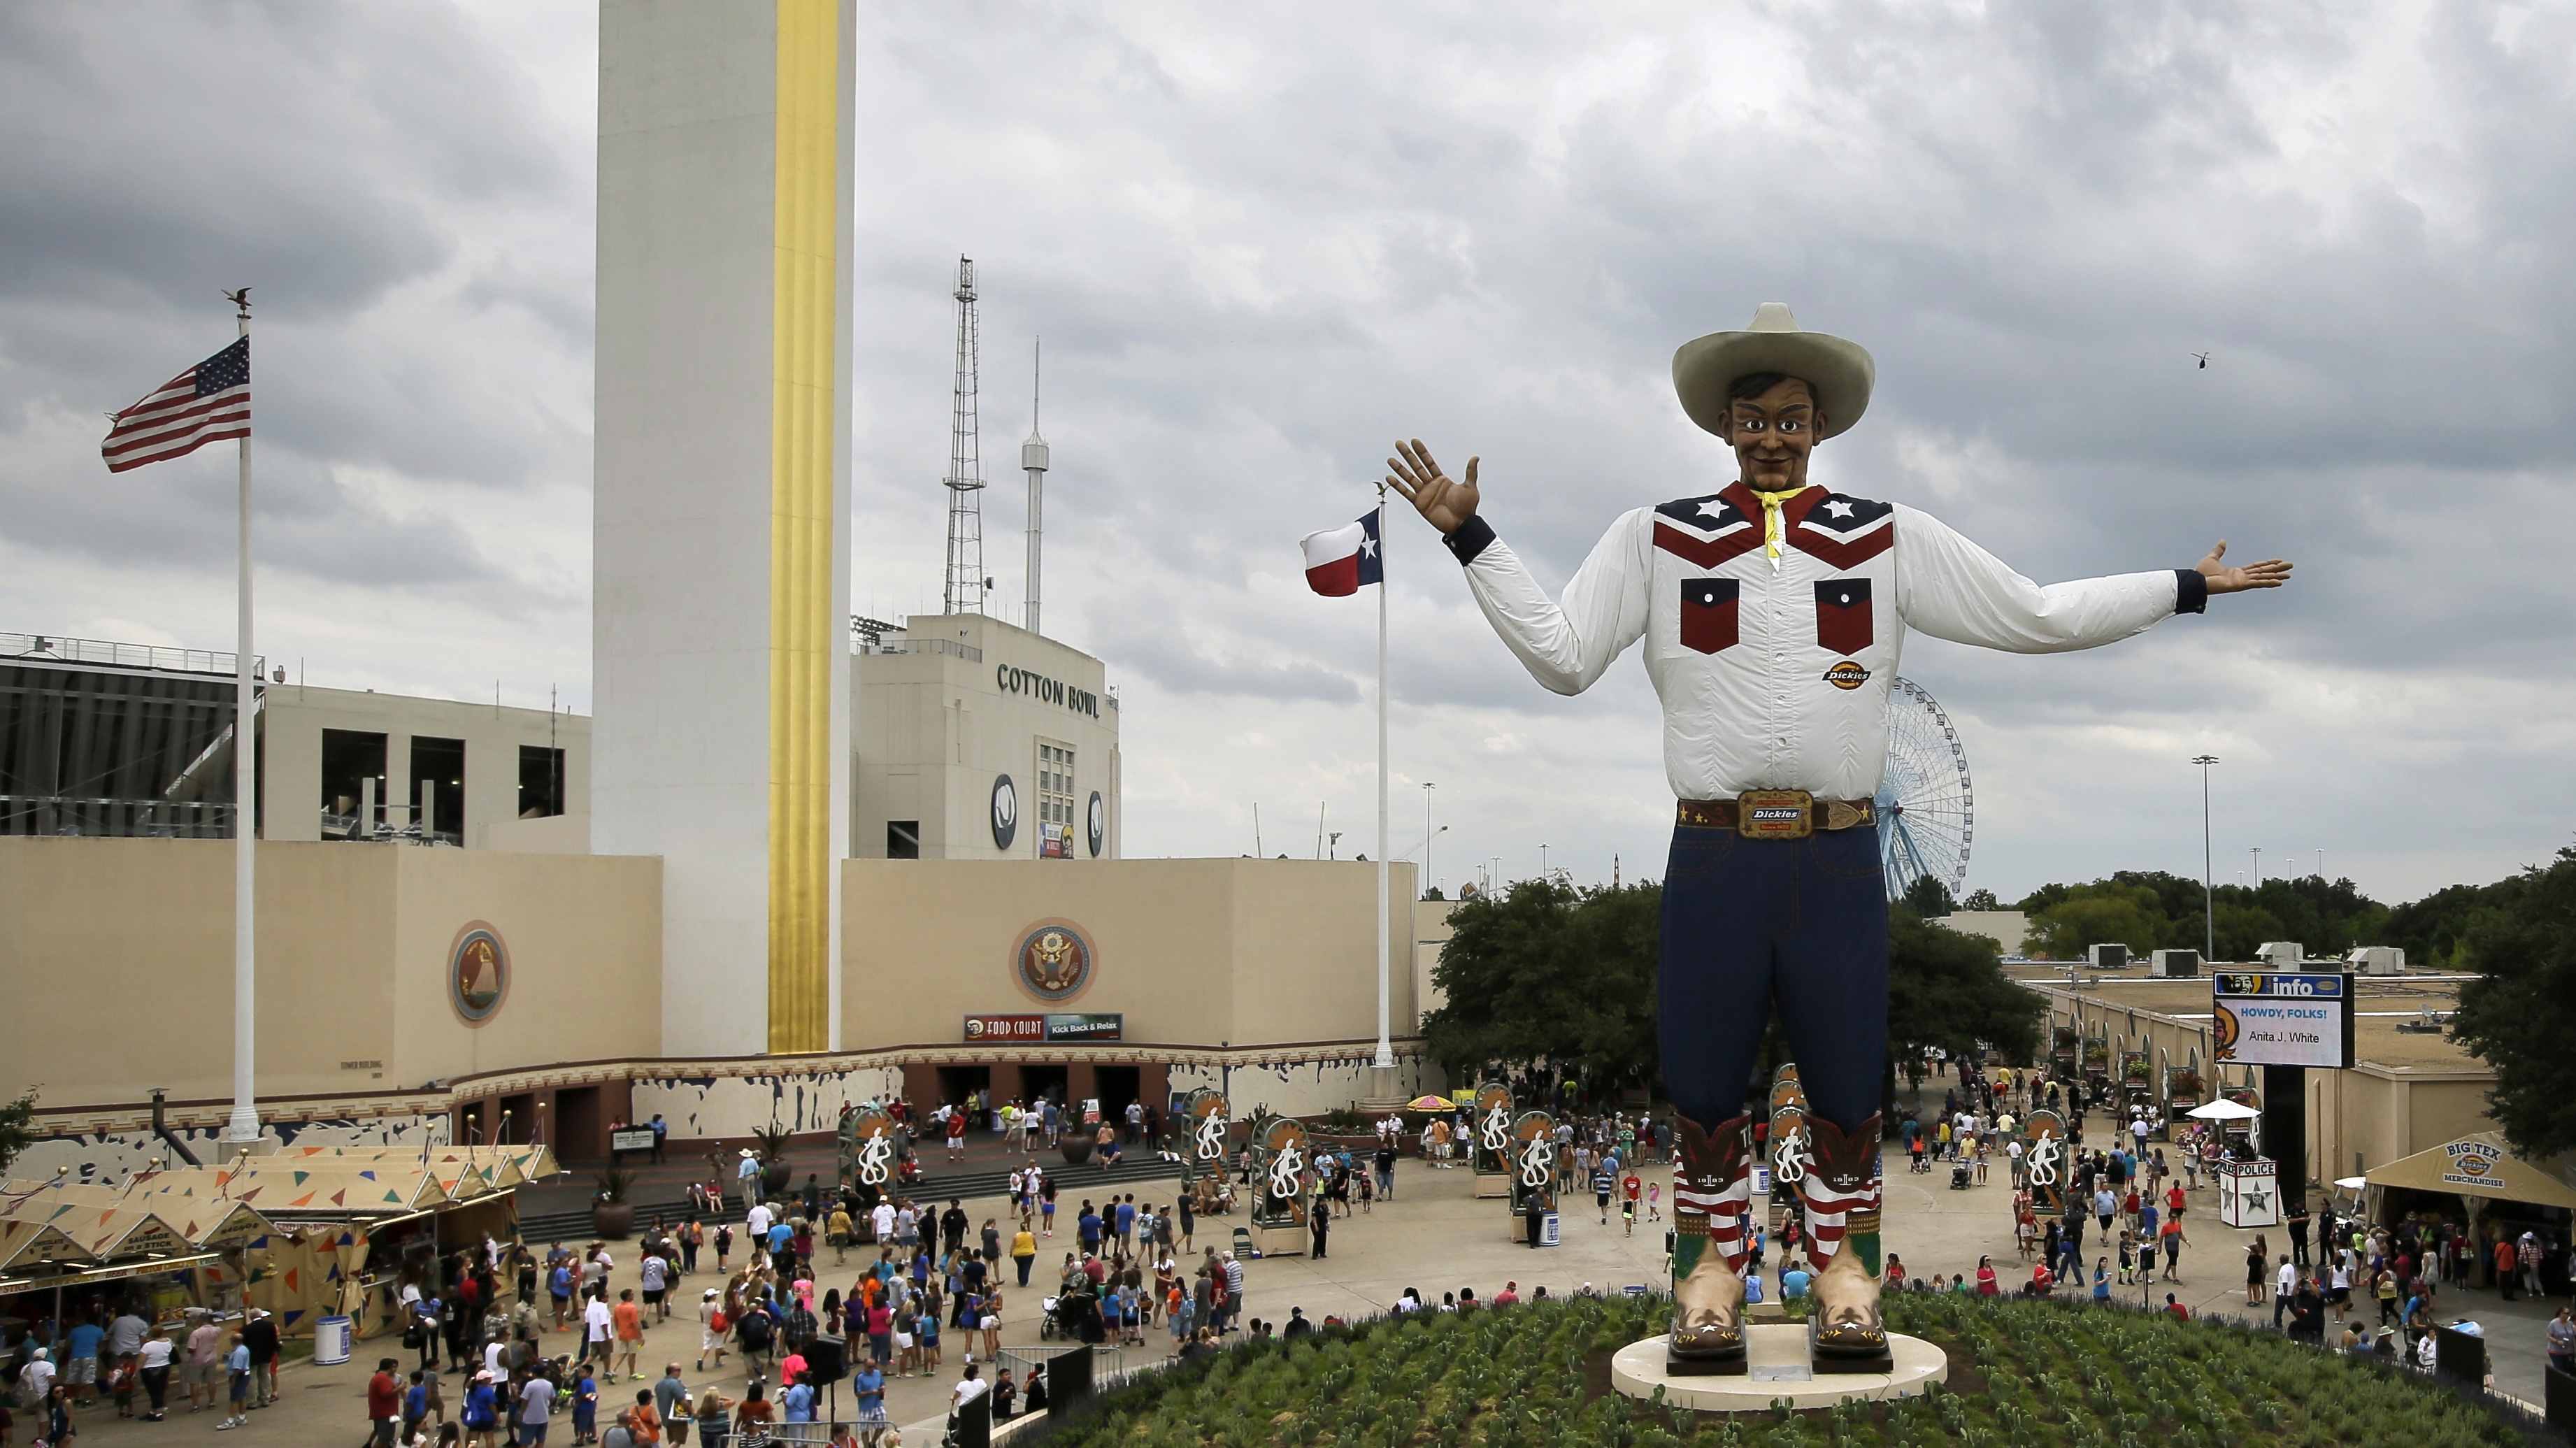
(584, 933)
(294, 716)
(119, 959)
(1192, 952)
(1431, 932)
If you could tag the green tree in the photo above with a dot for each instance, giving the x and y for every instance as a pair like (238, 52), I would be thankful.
(17, 1127)
(1549, 970)
(1930, 898)
(1949, 990)
(1980, 900)
(2242, 928)
(2104, 911)
(2429, 930)
(2520, 1011)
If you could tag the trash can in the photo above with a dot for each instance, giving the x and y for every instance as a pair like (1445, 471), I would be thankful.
(1548, 1235)
(331, 1337)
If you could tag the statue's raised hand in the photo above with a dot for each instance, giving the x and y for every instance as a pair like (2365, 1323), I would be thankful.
(2270, 573)
(1443, 501)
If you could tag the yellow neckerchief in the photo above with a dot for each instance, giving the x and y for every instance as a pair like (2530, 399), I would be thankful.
(1771, 525)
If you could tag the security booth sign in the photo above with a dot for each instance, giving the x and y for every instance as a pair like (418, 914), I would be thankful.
(2249, 1193)
(2289, 1018)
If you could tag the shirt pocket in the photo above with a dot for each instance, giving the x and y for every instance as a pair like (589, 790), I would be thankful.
(1843, 621)
(1709, 614)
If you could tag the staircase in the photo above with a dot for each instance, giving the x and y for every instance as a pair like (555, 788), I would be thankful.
(1073, 1183)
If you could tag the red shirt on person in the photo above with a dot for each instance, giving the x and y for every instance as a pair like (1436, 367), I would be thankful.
(384, 1396)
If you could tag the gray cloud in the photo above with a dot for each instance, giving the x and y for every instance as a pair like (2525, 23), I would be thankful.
(1263, 245)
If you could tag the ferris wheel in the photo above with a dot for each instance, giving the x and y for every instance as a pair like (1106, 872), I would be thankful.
(1925, 806)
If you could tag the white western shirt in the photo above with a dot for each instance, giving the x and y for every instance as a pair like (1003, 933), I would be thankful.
(1774, 671)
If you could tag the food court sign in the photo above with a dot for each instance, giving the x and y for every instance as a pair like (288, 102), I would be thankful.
(1059, 1026)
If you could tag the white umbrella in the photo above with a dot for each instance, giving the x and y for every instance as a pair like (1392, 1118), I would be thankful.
(2223, 1109)
(2351, 1184)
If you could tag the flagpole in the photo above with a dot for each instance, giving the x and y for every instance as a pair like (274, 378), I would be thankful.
(1385, 1048)
(244, 1127)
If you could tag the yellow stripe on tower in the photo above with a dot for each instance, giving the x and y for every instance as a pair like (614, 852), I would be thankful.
(801, 632)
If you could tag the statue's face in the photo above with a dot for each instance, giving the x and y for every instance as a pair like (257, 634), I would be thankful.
(1772, 435)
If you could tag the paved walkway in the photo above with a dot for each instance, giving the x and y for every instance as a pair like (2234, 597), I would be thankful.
(1436, 1236)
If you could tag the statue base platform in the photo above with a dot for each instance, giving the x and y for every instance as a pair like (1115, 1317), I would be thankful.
(1290, 1241)
(1776, 1364)
(1493, 1184)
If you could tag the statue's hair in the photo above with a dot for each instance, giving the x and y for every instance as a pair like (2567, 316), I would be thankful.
(1754, 384)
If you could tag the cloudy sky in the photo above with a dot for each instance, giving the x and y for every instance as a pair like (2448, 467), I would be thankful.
(1261, 244)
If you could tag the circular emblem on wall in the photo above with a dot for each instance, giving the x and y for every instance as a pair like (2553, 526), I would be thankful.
(1006, 812)
(1053, 961)
(478, 973)
(1099, 818)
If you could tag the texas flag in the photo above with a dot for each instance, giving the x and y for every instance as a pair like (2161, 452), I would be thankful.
(1341, 561)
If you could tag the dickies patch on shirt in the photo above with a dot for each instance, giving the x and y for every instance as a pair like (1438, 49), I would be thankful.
(1707, 531)
(1843, 530)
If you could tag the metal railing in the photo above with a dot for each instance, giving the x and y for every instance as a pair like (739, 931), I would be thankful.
(51, 649)
(968, 652)
(348, 827)
(32, 814)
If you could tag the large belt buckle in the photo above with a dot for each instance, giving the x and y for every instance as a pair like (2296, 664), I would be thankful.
(1775, 814)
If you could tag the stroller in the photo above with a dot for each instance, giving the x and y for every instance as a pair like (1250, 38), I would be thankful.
(1958, 1176)
(1060, 1319)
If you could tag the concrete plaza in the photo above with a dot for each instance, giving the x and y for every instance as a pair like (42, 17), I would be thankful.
(1436, 1236)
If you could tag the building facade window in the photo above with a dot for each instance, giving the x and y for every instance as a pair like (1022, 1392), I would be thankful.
(1055, 800)
(541, 782)
(903, 839)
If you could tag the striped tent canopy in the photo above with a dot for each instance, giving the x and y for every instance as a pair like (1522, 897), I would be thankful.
(463, 1171)
(316, 1186)
(24, 1243)
(203, 1223)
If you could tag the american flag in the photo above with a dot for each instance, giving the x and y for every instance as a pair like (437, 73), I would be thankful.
(207, 403)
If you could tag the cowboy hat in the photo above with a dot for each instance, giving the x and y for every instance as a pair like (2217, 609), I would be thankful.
(1838, 372)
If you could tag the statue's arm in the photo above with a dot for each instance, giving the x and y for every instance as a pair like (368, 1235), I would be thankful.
(1950, 588)
(1566, 644)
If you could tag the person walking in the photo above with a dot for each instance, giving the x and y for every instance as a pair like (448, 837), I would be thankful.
(384, 1404)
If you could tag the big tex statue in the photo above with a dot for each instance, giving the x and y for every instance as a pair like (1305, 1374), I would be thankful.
(1774, 611)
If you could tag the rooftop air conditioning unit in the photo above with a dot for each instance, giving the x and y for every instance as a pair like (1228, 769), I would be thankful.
(2110, 955)
(2378, 960)
(2282, 954)
(2176, 964)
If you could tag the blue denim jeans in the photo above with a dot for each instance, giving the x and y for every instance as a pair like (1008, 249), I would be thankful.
(1750, 923)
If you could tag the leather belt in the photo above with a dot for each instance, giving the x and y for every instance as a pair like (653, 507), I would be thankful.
(1774, 814)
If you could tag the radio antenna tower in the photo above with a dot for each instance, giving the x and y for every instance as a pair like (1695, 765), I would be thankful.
(965, 588)
(1033, 461)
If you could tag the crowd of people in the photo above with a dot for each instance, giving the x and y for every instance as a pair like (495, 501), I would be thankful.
(105, 1350)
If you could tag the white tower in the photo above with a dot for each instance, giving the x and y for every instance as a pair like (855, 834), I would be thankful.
(1033, 461)
(965, 588)
(721, 500)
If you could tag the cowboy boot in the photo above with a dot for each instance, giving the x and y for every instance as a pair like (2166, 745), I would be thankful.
(1709, 1194)
(1842, 1183)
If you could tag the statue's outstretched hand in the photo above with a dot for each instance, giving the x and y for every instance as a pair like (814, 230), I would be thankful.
(1445, 503)
(2270, 573)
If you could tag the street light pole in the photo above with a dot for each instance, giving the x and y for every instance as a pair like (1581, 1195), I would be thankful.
(2208, 892)
(2258, 866)
(1425, 885)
